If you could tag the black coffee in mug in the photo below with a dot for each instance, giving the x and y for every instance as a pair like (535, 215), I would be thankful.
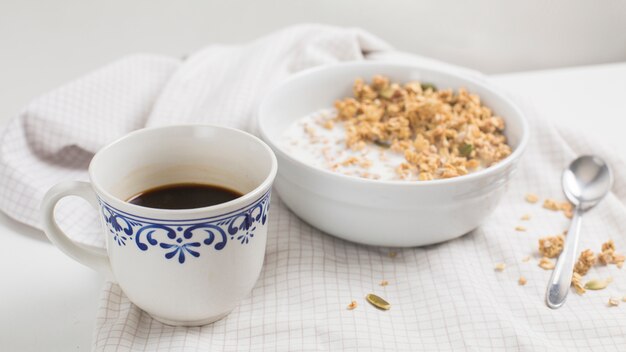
(184, 196)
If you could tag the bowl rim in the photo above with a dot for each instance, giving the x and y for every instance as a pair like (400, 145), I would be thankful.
(513, 157)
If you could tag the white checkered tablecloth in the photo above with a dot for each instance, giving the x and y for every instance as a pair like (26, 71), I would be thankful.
(444, 297)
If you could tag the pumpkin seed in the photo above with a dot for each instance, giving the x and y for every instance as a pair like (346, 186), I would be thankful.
(378, 302)
(466, 149)
(426, 86)
(381, 143)
(597, 284)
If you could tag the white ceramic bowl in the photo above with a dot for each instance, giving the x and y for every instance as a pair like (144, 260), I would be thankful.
(387, 213)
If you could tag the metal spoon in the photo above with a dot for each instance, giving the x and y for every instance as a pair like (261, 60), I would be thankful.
(585, 182)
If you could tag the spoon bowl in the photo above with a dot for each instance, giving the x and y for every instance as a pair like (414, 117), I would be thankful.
(586, 181)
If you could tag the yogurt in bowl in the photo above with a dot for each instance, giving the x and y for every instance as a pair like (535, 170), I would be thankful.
(382, 208)
(392, 131)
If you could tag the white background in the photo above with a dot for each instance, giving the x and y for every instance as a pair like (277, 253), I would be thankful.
(48, 302)
(45, 43)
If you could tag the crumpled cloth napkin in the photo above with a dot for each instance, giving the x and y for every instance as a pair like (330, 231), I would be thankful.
(443, 297)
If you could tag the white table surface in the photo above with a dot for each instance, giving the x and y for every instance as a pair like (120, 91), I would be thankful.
(48, 302)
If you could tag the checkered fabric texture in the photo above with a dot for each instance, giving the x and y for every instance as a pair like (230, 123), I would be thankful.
(443, 297)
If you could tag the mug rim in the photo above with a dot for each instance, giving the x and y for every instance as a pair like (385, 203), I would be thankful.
(247, 197)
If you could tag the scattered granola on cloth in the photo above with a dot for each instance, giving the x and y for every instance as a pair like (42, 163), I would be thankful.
(613, 302)
(577, 283)
(585, 261)
(546, 263)
(566, 207)
(609, 256)
(522, 281)
(532, 198)
(551, 246)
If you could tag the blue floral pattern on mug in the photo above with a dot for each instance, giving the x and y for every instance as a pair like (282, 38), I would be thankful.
(183, 239)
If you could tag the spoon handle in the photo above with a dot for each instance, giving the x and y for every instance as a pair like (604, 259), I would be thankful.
(561, 278)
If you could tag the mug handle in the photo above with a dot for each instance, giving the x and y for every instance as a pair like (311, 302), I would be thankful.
(95, 258)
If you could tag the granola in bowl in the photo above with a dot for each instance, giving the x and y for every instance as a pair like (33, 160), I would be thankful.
(374, 204)
(393, 131)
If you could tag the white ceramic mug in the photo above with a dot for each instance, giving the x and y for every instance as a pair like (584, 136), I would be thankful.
(187, 266)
